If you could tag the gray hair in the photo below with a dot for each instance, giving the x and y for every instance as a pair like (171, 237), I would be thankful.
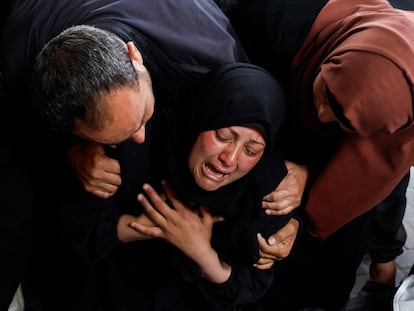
(74, 71)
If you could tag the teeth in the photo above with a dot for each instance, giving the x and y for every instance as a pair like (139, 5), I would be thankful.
(214, 171)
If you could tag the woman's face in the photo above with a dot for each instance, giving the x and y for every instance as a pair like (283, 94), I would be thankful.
(221, 156)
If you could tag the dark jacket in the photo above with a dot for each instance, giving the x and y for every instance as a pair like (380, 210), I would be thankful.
(176, 30)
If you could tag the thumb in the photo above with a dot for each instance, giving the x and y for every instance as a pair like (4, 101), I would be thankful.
(272, 240)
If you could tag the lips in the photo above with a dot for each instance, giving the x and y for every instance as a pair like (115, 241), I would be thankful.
(213, 173)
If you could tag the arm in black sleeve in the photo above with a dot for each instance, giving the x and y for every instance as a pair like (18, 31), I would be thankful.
(246, 283)
(89, 223)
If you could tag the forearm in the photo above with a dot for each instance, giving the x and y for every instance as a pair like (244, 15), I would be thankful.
(212, 268)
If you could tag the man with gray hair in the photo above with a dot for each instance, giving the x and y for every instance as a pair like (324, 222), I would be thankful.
(173, 42)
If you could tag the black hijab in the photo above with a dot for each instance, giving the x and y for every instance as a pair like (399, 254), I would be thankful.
(232, 95)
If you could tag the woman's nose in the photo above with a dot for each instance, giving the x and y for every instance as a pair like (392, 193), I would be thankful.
(229, 156)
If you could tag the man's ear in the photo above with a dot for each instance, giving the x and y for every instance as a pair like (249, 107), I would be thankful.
(134, 53)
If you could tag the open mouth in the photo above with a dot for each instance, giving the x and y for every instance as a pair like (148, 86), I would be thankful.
(212, 173)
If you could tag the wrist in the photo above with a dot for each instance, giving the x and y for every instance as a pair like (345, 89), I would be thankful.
(213, 268)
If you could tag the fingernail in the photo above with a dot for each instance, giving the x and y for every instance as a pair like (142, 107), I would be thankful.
(271, 241)
(268, 212)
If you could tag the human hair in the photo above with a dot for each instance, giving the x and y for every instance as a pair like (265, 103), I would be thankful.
(72, 74)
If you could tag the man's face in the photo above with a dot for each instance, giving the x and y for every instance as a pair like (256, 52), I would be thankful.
(131, 108)
(219, 157)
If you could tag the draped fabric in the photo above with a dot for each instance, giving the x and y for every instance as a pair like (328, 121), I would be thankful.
(364, 51)
(234, 95)
(202, 39)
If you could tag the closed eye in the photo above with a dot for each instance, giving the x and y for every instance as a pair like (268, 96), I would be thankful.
(223, 137)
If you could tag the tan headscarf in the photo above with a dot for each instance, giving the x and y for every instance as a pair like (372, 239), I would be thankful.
(364, 50)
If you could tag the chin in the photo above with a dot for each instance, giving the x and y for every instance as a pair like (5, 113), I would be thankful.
(209, 186)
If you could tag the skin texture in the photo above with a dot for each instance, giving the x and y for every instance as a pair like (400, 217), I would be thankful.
(288, 194)
(235, 150)
(131, 109)
(100, 175)
(188, 230)
(282, 243)
(222, 156)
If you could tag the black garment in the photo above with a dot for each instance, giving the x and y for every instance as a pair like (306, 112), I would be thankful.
(272, 31)
(4, 11)
(319, 274)
(201, 40)
(173, 282)
(224, 98)
(228, 97)
(187, 43)
(388, 236)
(402, 4)
(16, 211)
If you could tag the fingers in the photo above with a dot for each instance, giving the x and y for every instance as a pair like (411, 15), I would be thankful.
(105, 170)
(152, 212)
(288, 195)
(127, 233)
(156, 207)
(281, 193)
(102, 188)
(264, 265)
(207, 218)
(217, 218)
(288, 233)
(266, 251)
(98, 174)
(177, 204)
(282, 200)
(103, 194)
(281, 243)
(279, 208)
(147, 230)
(266, 260)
